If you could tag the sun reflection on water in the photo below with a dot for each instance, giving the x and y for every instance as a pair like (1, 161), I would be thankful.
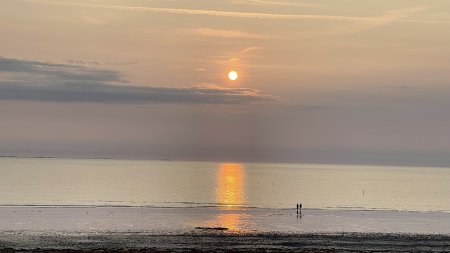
(230, 185)
(230, 195)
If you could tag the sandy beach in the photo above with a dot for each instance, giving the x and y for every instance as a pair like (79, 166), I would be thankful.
(149, 229)
(268, 242)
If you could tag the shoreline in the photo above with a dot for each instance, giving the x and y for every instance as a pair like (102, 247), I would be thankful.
(184, 205)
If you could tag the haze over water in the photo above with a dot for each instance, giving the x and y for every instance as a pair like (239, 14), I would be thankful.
(228, 185)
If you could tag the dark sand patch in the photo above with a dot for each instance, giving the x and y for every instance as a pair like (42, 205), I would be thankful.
(219, 242)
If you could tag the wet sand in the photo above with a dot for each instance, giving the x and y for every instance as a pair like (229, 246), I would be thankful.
(150, 229)
(158, 220)
(159, 251)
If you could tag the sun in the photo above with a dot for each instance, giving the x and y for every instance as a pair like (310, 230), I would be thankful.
(233, 75)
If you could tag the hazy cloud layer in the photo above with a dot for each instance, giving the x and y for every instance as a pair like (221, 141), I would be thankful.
(346, 24)
(52, 71)
(41, 81)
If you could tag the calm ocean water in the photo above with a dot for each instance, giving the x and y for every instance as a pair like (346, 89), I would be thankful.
(185, 184)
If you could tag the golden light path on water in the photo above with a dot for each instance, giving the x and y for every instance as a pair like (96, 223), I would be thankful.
(230, 184)
(230, 194)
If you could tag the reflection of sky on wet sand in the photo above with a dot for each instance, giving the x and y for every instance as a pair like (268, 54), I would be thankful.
(232, 221)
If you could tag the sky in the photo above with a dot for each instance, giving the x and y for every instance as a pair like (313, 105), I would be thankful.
(342, 81)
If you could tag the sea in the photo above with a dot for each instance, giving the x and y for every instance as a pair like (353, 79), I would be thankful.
(106, 182)
(91, 198)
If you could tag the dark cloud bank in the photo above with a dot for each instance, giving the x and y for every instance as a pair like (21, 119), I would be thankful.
(41, 81)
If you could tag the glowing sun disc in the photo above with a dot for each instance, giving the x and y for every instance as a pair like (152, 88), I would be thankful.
(233, 75)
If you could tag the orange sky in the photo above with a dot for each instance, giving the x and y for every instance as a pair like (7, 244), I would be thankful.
(321, 81)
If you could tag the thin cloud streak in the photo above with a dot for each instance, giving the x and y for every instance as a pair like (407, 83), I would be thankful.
(250, 49)
(273, 3)
(256, 15)
(424, 21)
(228, 34)
(388, 17)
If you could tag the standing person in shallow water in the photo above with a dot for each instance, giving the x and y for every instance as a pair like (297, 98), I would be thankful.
(300, 207)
